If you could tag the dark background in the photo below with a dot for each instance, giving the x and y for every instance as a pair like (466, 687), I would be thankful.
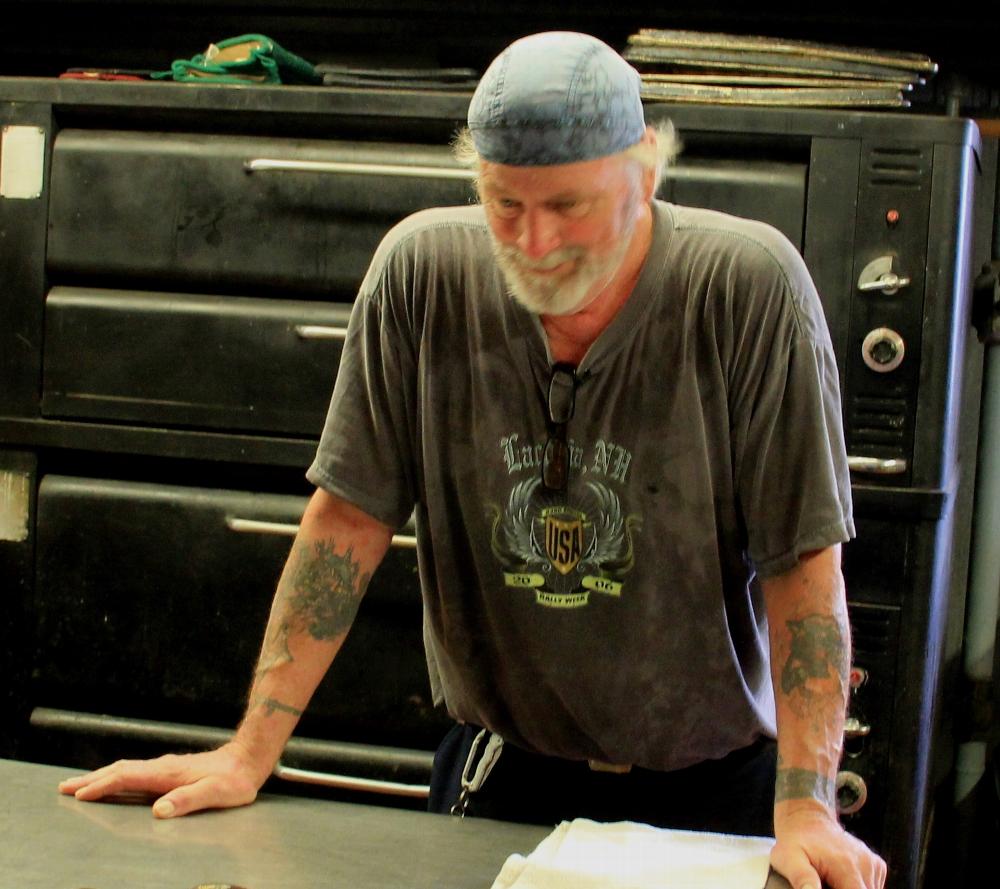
(45, 37)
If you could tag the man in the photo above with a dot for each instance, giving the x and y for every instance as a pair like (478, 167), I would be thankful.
(618, 424)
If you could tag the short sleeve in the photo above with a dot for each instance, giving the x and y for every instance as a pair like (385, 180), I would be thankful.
(365, 454)
(790, 463)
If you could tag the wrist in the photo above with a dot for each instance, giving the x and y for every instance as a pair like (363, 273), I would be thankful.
(807, 785)
(800, 811)
(259, 764)
(260, 740)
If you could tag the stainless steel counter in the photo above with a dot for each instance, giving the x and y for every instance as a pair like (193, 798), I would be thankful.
(48, 840)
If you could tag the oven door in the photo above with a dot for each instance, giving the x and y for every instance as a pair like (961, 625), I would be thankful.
(150, 603)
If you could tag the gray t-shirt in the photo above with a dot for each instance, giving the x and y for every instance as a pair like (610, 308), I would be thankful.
(622, 621)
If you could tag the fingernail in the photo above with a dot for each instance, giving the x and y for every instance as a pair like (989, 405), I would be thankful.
(163, 808)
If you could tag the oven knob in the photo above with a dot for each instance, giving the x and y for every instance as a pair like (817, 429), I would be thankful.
(883, 349)
(852, 792)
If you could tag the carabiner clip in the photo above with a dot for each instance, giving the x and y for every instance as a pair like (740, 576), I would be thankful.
(491, 753)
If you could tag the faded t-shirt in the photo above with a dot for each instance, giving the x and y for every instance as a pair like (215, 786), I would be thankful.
(623, 620)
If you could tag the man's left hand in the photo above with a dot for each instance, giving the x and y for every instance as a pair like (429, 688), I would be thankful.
(813, 851)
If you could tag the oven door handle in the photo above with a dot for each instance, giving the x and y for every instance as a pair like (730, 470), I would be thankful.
(290, 529)
(877, 465)
(412, 171)
(383, 758)
(349, 782)
(320, 332)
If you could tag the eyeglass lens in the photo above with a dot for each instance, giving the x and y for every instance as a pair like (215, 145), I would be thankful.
(555, 463)
(562, 393)
(561, 403)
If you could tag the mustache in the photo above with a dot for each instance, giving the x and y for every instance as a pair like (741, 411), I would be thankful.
(545, 263)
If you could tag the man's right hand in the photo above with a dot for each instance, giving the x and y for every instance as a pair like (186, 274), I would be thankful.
(218, 779)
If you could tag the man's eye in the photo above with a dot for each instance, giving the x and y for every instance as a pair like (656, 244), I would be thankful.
(571, 208)
(505, 207)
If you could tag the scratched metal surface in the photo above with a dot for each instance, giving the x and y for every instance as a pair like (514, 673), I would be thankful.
(50, 840)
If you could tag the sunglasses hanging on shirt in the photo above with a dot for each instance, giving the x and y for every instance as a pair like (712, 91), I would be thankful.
(560, 403)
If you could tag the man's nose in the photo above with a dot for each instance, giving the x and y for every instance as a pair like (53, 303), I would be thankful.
(538, 235)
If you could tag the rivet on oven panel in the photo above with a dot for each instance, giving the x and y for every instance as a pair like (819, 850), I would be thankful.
(891, 218)
(883, 350)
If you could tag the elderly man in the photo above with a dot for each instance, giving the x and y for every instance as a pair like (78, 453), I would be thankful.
(618, 424)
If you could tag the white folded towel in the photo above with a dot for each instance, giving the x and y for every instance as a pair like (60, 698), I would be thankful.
(583, 854)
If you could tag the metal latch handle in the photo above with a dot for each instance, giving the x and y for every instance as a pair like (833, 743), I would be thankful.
(854, 728)
(889, 281)
(880, 275)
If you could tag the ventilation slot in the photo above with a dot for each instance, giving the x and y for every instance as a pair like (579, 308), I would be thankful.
(879, 421)
(897, 167)
(873, 631)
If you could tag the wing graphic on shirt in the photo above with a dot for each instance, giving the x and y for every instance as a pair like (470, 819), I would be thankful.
(512, 542)
(611, 546)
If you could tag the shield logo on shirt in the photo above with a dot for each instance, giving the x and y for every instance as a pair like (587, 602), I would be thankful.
(564, 539)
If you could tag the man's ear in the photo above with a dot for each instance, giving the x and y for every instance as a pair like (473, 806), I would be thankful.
(649, 173)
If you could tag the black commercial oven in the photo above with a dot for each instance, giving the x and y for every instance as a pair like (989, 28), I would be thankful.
(177, 266)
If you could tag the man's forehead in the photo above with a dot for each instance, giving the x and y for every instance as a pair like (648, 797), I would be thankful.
(552, 179)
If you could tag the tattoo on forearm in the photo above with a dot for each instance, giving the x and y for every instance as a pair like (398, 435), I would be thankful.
(803, 783)
(326, 590)
(275, 651)
(321, 592)
(272, 705)
(817, 652)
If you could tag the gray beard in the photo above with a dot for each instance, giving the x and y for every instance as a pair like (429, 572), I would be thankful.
(563, 294)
